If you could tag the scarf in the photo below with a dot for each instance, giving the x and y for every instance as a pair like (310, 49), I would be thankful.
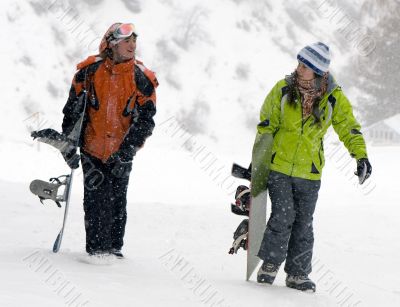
(310, 90)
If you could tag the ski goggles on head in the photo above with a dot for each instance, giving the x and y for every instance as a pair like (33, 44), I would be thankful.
(124, 30)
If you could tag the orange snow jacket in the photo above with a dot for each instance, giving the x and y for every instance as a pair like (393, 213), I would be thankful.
(120, 105)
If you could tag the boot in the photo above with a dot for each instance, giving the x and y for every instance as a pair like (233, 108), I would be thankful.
(267, 273)
(117, 253)
(300, 282)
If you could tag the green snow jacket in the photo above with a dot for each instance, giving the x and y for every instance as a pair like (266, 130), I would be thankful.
(298, 149)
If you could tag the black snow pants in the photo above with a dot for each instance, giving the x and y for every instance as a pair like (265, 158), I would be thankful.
(104, 204)
(289, 233)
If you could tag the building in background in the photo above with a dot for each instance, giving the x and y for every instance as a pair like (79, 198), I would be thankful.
(384, 132)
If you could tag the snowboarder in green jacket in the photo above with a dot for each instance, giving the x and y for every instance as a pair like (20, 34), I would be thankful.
(297, 113)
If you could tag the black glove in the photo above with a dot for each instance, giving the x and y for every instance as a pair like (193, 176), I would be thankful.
(126, 154)
(364, 170)
(72, 158)
(120, 162)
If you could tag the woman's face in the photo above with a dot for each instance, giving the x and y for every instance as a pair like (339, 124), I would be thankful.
(124, 50)
(304, 72)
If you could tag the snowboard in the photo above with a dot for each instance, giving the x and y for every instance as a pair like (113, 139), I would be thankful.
(65, 144)
(66, 198)
(260, 168)
(49, 189)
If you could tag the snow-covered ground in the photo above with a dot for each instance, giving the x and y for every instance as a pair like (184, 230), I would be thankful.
(177, 242)
(179, 230)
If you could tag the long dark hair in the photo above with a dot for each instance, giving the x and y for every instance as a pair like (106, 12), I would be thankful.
(293, 95)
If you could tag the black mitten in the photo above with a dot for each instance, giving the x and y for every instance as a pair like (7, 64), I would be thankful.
(120, 162)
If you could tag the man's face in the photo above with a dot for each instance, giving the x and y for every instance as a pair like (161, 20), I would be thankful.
(124, 50)
(304, 72)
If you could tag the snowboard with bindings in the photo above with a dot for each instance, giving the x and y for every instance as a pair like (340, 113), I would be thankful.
(260, 168)
(48, 190)
(67, 144)
(252, 202)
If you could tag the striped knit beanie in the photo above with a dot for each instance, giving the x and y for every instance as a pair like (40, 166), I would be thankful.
(316, 57)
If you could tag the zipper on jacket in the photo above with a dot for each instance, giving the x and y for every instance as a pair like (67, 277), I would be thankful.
(302, 128)
(321, 147)
(301, 135)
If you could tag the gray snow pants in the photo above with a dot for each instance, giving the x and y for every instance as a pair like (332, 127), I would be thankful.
(289, 232)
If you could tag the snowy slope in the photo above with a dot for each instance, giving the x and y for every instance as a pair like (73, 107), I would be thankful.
(171, 248)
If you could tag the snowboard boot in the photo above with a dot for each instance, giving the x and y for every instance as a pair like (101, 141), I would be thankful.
(117, 253)
(267, 273)
(300, 282)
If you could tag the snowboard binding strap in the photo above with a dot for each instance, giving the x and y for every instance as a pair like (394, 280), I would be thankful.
(49, 189)
(240, 237)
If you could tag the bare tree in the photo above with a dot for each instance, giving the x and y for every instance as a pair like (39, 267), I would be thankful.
(191, 31)
(377, 73)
